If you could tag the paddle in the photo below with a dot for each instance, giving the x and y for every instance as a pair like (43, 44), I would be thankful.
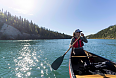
(55, 65)
(84, 56)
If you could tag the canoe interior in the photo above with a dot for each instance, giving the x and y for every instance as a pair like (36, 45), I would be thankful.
(75, 68)
(99, 59)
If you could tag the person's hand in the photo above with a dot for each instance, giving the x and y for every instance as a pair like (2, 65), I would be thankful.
(70, 46)
(82, 34)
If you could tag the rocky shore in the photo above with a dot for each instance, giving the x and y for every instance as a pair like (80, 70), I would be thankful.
(11, 33)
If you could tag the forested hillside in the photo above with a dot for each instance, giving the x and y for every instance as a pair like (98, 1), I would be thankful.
(23, 25)
(108, 33)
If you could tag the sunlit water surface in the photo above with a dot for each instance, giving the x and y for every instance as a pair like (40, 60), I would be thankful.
(33, 58)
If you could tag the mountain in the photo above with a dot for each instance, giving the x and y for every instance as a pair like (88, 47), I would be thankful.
(13, 27)
(107, 33)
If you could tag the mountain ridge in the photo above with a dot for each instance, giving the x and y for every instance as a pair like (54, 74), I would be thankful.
(107, 33)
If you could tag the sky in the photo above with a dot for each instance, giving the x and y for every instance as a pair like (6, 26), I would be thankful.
(65, 16)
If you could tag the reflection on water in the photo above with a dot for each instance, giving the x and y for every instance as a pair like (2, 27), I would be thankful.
(103, 47)
(33, 58)
(28, 58)
(24, 62)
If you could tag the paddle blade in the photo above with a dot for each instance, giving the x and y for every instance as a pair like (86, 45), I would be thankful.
(55, 65)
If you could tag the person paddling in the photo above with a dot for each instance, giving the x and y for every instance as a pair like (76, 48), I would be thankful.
(78, 46)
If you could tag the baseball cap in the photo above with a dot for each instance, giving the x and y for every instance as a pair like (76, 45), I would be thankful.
(77, 30)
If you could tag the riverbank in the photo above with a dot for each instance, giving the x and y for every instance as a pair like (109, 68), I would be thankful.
(100, 38)
(8, 32)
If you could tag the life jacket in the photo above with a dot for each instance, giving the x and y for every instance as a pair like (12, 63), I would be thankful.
(78, 44)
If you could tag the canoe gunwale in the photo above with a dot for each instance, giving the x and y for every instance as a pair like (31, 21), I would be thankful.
(71, 74)
(99, 59)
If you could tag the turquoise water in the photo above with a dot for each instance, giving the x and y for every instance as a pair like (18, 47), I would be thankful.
(33, 58)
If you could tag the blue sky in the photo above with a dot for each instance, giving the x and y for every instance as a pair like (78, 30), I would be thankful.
(65, 16)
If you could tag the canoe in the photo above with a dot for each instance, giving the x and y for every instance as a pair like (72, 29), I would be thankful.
(99, 67)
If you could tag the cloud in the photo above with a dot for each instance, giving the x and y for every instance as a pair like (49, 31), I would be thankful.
(30, 14)
(22, 11)
(18, 10)
(10, 7)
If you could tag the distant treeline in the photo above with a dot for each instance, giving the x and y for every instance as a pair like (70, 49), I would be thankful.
(108, 33)
(23, 25)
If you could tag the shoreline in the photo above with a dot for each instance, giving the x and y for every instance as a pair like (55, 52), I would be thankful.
(102, 38)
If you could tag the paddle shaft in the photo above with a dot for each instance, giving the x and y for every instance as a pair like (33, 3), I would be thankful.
(55, 65)
(72, 45)
(84, 56)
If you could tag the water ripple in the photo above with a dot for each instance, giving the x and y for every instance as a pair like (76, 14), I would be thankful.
(33, 58)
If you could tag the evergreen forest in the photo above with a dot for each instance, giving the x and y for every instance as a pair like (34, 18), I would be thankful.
(23, 25)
